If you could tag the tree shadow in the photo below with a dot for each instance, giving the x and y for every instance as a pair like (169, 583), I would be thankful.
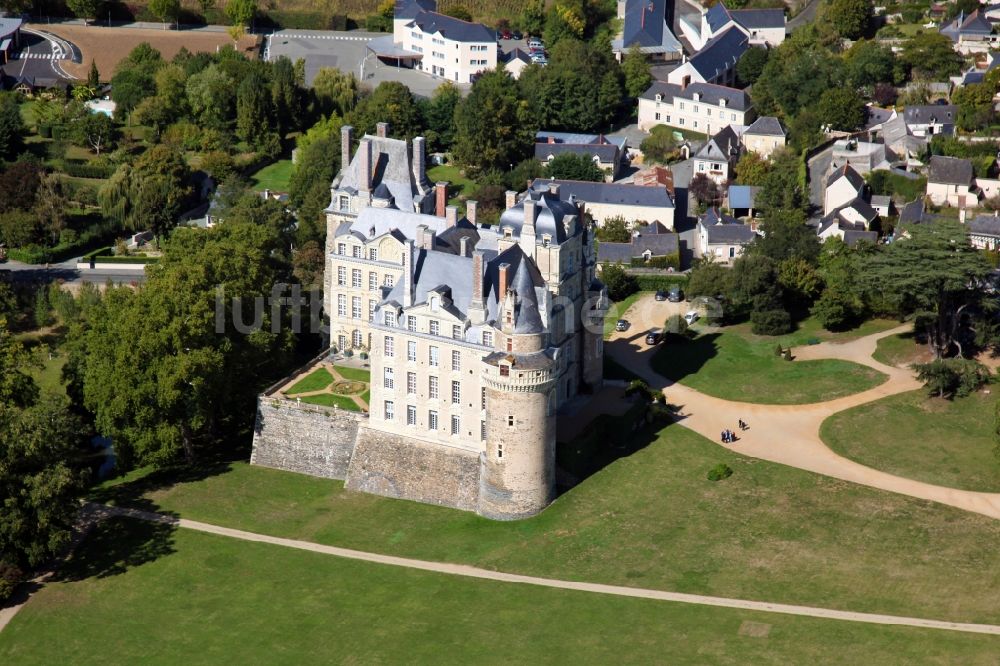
(678, 357)
(116, 544)
(131, 493)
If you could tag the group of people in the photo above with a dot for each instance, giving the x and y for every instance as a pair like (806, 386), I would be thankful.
(728, 436)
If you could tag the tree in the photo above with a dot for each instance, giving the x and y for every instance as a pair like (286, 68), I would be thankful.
(459, 12)
(709, 279)
(149, 195)
(614, 230)
(785, 235)
(620, 284)
(241, 12)
(336, 92)
(842, 303)
(439, 116)
(868, 63)
(755, 289)
(85, 9)
(841, 109)
(287, 96)
(19, 185)
(751, 65)
(206, 6)
(211, 94)
(705, 190)
(950, 377)
(194, 386)
(936, 275)
(95, 131)
(660, 145)
(796, 74)
(975, 105)
(391, 102)
(11, 125)
(130, 87)
(254, 111)
(848, 18)
(635, 67)
(165, 10)
(532, 19)
(570, 166)
(494, 128)
(752, 168)
(930, 56)
(51, 205)
(781, 189)
(93, 76)
(309, 186)
(308, 264)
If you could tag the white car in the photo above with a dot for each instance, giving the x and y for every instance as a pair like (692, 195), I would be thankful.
(691, 317)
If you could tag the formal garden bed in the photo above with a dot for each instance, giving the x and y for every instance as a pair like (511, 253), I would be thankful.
(331, 385)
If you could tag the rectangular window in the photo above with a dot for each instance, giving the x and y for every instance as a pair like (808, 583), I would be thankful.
(505, 371)
(733, 117)
(356, 338)
(356, 251)
(372, 280)
(510, 421)
(411, 323)
(696, 123)
(341, 249)
(411, 415)
(456, 360)
(387, 282)
(456, 425)
(356, 278)
(456, 332)
(680, 121)
(371, 310)
(341, 305)
(708, 112)
(456, 393)
(435, 328)
(356, 307)
(433, 356)
(411, 351)
(488, 338)
(432, 420)
(389, 409)
(388, 347)
(482, 430)
(696, 108)
(499, 451)
(411, 383)
(682, 106)
(373, 253)
(432, 388)
(482, 398)
(390, 317)
(388, 379)
(341, 276)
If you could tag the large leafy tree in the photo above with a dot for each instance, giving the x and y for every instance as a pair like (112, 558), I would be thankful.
(439, 116)
(848, 18)
(254, 110)
(842, 303)
(636, 70)
(931, 271)
(841, 109)
(930, 56)
(85, 9)
(751, 65)
(165, 10)
(494, 127)
(149, 195)
(868, 63)
(211, 95)
(569, 166)
(160, 373)
(785, 235)
(796, 74)
(335, 92)
(11, 125)
(780, 187)
(390, 102)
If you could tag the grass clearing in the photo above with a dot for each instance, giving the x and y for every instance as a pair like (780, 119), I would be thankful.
(945, 442)
(650, 519)
(274, 177)
(729, 364)
(354, 374)
(459, 185)
(901, 350)
(176, 596)
(331, 400)
(316, 380)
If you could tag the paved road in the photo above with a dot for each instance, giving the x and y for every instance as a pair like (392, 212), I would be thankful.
(39, 56)
(68, 272)
(806, 16)
(98, 511)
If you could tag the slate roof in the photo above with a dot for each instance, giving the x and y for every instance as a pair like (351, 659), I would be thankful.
(645, 24)
(923, 114)
(724, 229)
(759, 18)
(854, 236)
(973, 24)
(8, 26)
(408, 9)
(881, 201)
(717, 17)
(710, 93)
(742, 196)
(875, 116)
(606, 152)
(550, 211)
(912, 212)
(720, 53)
(766, 126)
(950, 170)
(390, 165)
(985, 225)
(658, 244)
(453, 28)
(516, 54)
(607, 193)
(723, 146)
(846, 171)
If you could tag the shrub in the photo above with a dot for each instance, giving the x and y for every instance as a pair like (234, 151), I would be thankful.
(778, 351)
(10, 576)
(949, 377)
(620, 284)
(676, 326)
(770, 322)
(720, 472)
(660, 282)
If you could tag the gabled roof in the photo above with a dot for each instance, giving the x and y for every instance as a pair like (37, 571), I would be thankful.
(854, 236)
(717, 17)
(912, 212)
(723, 146)
(709, 93)
(645, 23)
(943, 114)
(721, 53)
(757, 19)
(408, 9)
(607, 193)
(657, 244)
(452, 28)
(724, 229)
(516, 54)
(950, 170)
(985, 225)
(606, 152)
(765, 126)
(848, 172)
(742, 196)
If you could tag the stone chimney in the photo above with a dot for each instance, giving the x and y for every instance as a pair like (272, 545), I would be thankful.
(529, 211)
(365, 165)
(552, 139)
(471, 207)
(502, 272)
(419, 163)
(441, 198)
(463, 246)
(554, 189)
(510, 199)
(451, 216)
(346, 138)
(477, 280)
(408, 259)
(382, 130)
(425, 237)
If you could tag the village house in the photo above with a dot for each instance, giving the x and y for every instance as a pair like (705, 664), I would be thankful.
(762, 26)
(646, 25)
(715, 62)
(930, 119)
(600, 201)
(970, 33)
(742, 200)
(702, 107)
(610, 156)
(984, 231)
(950, 182)
(718, 157)
(764, 136)
(653, 244)
(721, 236)
(842, 186)
(437, 44)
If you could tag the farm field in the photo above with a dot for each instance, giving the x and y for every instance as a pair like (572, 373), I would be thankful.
(107, 46)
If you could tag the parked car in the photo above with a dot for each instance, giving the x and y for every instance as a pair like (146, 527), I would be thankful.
(675, 295)
(661, 295)
(517, 35)
(535, 43)
(621, 325)
(506, 34)
(539, 59)
(692, 316)
(654, 336)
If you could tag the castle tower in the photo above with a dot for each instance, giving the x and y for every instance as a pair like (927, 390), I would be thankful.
(517, 467)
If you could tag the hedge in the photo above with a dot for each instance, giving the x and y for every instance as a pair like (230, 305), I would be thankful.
(660, 282)
(111, 259)
(666, 261)
(84, 170)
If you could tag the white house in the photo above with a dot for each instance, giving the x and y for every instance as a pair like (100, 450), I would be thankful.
(715, 62)
(764, 136)
(647, 204)
(863, 156)
(842, 186)
(950, 182)
(702, 107)
(440, 45)
(718, 157)
(722, 236)
(984, 231)
(646, 25)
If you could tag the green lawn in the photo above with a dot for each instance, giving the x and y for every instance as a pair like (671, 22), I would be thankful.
(733, 364)
(330, 400)
(458, 184)
(366, 397)
(650, 519)
(900, 350)
(137, 593)
(618, 310)
(946, 442)
(273, 177)
(49, 376)
(354, 374)
(316, 380)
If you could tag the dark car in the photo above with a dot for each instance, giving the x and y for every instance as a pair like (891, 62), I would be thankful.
(675, 295)
(653, 337)
(517, 35)
(661, 295)
(505, 34)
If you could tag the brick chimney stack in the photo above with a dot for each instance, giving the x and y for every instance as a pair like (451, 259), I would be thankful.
(451, 216)
(477, 279)
(365, 165)
(382, 130)
(471, 209)
(510, 199)
(441, 198)
(408, 258)
(346, 139)
(502, 271)
(419, 162)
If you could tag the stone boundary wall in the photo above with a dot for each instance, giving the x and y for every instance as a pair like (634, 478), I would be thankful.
(405, 468)
(304, 438)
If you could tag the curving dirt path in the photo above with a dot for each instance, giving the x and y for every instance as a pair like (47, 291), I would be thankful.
(789, 434)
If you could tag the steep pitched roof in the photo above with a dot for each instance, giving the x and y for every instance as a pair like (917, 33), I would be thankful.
(606, 152)
(848, 172)
(550, 214)
(930, 113)
(759, 18)
(985, 225)
(707, 92)
(607, 193)
(645, 23)
(408, 9)
(765, 126)
(390, 165)
(721, 53)
(453, 28)
(720, 228)
(723, 146)
(950, 170)
(717, 16)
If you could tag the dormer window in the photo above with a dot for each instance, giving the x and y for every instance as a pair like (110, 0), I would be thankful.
(390, 317)
(508, 232)
(434, 303)
(546, 239)
(504, 370)
(722, 103)
(696, 97)
(659, 97)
